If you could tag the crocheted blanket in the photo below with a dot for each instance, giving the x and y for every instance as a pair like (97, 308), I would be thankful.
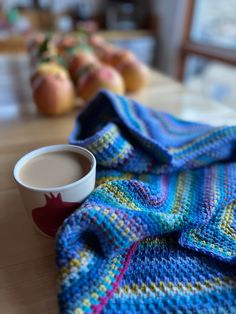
(158, 234)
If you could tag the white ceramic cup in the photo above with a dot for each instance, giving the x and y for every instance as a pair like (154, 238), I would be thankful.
(48, 207)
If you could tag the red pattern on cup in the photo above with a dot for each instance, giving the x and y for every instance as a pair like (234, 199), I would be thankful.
(50, 217)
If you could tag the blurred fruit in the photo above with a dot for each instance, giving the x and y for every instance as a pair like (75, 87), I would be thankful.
(96, 40)
(135, 74)
(104, 52)
(49, 68)
(113, 56)
(53, 93)
(56, 59)
(89, 60)
(65, 43)
(80, 60)
(98, 77)
(74, 50)
(120, 55)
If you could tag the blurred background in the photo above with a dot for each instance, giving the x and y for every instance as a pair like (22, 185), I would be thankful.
(193, 41)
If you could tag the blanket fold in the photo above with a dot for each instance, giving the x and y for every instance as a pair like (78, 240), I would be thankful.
(158, 233)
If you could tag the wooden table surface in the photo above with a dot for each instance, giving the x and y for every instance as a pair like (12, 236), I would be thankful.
(27, 268)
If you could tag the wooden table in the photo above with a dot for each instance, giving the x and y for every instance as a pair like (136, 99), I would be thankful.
(27, 268)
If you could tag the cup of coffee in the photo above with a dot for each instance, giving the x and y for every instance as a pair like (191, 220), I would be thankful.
(53, 182)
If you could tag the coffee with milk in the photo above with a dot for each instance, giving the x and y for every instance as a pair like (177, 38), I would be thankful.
(54, 169)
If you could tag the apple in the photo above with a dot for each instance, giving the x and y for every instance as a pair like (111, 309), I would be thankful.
(49, 68)
(53, 93)
(135, 74)
(104, 52)
(80, 60)
(112, 55)
(98, 77)
(65, 43)
(97, 40)
(120, 55)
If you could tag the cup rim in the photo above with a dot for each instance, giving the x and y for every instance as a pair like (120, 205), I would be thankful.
(53, 148)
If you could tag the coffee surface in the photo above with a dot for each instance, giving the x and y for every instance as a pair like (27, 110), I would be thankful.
(54, 169)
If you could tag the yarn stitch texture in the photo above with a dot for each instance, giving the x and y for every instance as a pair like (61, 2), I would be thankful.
(158, 234)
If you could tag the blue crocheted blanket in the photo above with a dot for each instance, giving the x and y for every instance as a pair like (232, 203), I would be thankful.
(158, 234)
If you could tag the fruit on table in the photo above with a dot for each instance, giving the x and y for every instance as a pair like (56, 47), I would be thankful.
(80, 60)
(87, 60)
(66, 43)
(97, 40)
(98, 77)
(55, 59)
(53, 93)
(120, 55)
(111, 55)
(135, 74)
(49, 68)
(104, 52)
(74, 49)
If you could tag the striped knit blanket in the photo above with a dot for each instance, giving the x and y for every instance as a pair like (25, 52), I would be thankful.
(158, 234)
